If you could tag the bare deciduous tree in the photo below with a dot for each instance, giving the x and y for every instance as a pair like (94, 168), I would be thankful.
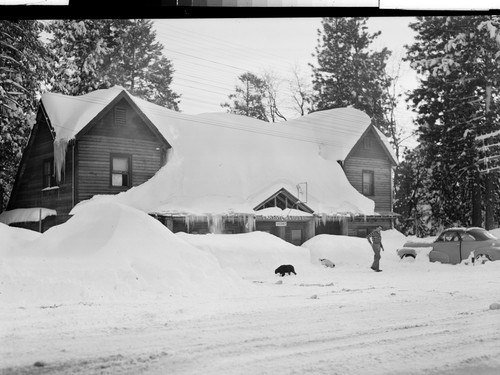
(301, 92)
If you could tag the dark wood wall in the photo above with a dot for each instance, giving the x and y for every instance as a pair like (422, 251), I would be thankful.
(29, 190)
(371, 156)
(104, 138)
(361, 227)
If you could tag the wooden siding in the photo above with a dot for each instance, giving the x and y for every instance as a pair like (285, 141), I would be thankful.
(29, 190)
(92, 151)
(362, 227)
(371, 159)
(104, 138)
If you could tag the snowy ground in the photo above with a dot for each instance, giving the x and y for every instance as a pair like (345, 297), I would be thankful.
(113, 291)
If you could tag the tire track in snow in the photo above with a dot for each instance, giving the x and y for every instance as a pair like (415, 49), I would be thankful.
(324, 336)
(315, 345)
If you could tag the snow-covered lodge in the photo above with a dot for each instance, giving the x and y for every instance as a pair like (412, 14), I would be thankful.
(326, 172)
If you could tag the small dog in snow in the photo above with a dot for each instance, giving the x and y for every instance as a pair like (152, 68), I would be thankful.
(327, 262)
(285, 268)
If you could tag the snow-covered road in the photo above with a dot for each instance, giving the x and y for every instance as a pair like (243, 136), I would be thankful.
(401, 321)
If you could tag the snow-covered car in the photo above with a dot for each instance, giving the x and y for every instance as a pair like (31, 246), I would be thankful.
(454, 245)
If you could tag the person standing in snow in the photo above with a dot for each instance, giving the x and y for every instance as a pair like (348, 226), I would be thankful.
(375, 240)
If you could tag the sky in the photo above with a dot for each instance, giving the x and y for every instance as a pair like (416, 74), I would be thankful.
(209, 54)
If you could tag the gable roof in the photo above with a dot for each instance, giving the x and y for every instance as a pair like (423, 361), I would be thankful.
(383, 142)
(284, 198)
(222, 162)
(70, 116)
(335, 131)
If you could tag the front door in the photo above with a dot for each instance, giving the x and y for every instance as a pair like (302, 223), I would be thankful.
(296, 236)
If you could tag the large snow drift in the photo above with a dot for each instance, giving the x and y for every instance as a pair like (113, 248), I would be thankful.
(353, 251)
(108, 251)
(441, 317)
(14, 239)
(251, 255)
(113, 251)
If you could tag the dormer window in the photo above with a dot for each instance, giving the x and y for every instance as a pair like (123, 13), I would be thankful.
(120, 116)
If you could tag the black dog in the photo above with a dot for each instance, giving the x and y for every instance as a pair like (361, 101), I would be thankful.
(285, 268)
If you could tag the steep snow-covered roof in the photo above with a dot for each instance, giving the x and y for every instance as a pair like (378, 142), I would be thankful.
(222, 163)
(336, 131)
(70, 114)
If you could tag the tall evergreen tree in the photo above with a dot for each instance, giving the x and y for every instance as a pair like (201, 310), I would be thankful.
(24, 64)
(248, 100)
(98, 54)
(348, 73)
(457, 59)
(411, 182)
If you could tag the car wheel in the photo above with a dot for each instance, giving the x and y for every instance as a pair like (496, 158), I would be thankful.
(408, 257)
(482, 259)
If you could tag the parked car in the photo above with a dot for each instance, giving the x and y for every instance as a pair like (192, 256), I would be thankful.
(454, 245)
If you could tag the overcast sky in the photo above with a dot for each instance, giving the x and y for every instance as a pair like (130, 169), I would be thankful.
(209, 54)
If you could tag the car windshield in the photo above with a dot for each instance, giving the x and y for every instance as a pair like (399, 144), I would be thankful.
(481, 234)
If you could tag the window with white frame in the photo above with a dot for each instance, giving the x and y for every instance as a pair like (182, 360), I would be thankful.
(121, 175)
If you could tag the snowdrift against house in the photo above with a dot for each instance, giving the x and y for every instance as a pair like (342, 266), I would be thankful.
(13, 239)
(353, 251)
(109, 251)
(251, 255)
(223, 163)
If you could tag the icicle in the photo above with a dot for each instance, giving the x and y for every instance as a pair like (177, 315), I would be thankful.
(60, 147)
(219, 223)
(216, 223)
(249, 223)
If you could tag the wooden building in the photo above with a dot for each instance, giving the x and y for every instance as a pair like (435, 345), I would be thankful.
(369, 168)
(117, 149)
(108, 141)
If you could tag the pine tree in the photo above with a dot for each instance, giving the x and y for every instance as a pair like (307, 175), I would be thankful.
(411, 182)
(24, 65)
(457, 60)
(97, 54)
(248, 100)
(348, 73)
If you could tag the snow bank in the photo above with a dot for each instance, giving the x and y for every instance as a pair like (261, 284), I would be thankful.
(13, 239)
(109, 251)
(341, 250)
(495, 232)
(353, 251)
(250, 255)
